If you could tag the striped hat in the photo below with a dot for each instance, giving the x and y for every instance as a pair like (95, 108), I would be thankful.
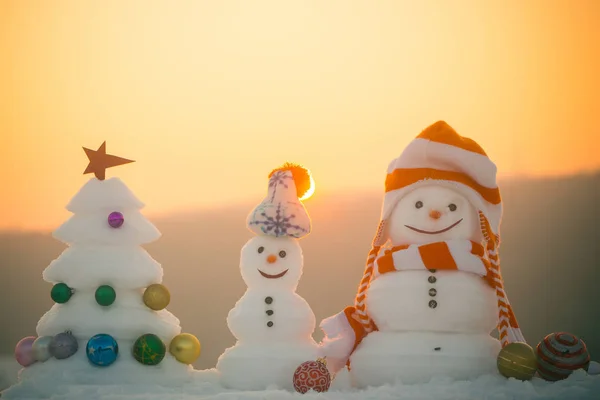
(440, 155)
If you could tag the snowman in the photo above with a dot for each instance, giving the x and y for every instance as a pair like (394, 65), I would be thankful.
(432, 291)
(273, 325)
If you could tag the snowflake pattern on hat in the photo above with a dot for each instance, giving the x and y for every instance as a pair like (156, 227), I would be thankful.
(281, 213)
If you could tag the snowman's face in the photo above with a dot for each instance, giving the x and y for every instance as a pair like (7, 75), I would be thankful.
(268, 261)
(431, 214)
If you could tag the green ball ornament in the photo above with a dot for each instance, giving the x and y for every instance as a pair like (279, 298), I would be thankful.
(61, 293)
(105, 295)
(149, 349)
(517, 360)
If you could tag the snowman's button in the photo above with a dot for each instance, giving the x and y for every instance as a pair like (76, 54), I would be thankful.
(268, 300)
(432, 279)
(432, 271)
(437, 348)
(270, 324)
(432, 304)
(269, 312)
(432, 292)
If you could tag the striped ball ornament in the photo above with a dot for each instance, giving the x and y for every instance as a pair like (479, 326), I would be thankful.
(559, 354)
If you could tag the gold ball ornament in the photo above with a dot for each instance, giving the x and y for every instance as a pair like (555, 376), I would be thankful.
(185, 348)
(517, 360)
(157, 297)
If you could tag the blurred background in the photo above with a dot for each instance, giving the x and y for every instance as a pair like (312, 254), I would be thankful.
(209, 96)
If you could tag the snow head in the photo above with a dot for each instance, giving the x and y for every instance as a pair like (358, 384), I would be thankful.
(433, 213)
(274, 257)
(268, 261)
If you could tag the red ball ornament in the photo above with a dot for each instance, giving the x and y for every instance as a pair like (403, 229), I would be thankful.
(312, 375)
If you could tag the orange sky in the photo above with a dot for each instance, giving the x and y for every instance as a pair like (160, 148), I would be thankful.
(209, 96)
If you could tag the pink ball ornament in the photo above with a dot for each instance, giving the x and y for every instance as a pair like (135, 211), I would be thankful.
(24, 351)
(115, 219)
(312, 375)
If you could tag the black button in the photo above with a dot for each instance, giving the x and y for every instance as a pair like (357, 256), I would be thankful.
(432, 279)
(432, 271)
(270, 324)
(432, 304)
(437, 348)
(269, 300)
(269, 312)
(432, 292)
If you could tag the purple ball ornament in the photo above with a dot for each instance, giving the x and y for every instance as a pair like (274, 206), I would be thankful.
(24, 351)
(63, 345)
(115, 219)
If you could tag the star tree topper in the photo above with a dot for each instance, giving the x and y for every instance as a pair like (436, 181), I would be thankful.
(99, 161)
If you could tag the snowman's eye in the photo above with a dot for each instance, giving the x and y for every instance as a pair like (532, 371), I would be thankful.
(282, 254)
(261, 249)
(419, 204)
(452, 207)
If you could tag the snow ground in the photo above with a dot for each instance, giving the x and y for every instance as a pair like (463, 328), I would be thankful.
(580, 386)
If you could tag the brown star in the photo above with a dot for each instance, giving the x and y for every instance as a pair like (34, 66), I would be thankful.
(99, 161)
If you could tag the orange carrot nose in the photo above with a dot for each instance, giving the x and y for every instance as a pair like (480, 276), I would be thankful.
(435, 214)
(271, 258)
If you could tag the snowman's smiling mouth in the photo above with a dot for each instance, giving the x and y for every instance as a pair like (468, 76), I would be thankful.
(435, 232)
(273, 276)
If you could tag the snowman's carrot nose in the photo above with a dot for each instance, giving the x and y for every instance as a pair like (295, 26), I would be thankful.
(435, 214)
(271, 258)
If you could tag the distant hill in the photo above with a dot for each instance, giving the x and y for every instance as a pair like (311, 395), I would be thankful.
(550, 260)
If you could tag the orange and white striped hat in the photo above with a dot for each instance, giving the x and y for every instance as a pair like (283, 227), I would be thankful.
(440, 155)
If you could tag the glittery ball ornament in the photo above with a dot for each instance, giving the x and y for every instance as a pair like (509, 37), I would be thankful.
(61, 293)
(63, 345)
(517, 360)
(149, 349)
(41, 348)
(115, 219)
(559, 354)
(102, 350)
(105, 295)
(24, 351)
(157, 297)
(312, 375)
(185, 348)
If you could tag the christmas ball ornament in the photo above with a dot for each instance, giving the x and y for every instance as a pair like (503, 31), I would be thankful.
(185, 348)
(63, 345)
(157, 297)
(61, 293)
(559, 354)
(517, 360)
(105, 295)
(102, 350)
(149, 349)
(312, 375)
(41, 348)
(115, 219)
(24, 351)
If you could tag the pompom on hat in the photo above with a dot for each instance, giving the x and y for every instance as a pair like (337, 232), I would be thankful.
(281, 213)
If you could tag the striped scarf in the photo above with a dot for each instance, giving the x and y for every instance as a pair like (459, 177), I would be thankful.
(459, 255)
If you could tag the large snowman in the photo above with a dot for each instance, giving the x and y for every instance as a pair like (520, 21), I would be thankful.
(273, 325)
(432, 291)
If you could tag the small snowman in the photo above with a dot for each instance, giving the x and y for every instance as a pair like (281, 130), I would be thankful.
(273, 325)
(432, 291)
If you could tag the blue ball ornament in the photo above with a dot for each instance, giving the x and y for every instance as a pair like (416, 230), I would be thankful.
(102, 350)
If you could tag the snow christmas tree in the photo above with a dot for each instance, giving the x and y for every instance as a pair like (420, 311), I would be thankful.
(109, 323)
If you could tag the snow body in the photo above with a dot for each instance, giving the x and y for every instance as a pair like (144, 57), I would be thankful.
(415, 341)
(273, 325)
(100, 255)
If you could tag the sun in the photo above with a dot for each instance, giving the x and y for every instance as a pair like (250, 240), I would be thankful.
(311, 189)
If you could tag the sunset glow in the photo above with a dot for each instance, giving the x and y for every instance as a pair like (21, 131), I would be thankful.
(206, 95)
(310, 191)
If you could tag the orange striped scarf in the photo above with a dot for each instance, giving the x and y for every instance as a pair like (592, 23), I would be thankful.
(464, 256)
